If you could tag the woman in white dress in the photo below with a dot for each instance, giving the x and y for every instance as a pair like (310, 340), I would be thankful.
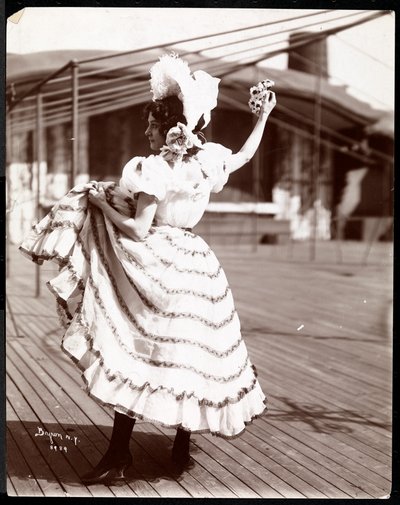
(149, 316)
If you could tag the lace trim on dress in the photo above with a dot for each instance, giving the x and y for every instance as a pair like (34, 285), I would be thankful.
(183, 249)
(156, 363)
(45, 256)
(166, 289)
(68, 208)
(113, 375)
(54, 225)
(147, 303)
(182, 270)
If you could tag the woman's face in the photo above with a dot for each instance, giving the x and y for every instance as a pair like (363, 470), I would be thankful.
(156, 139)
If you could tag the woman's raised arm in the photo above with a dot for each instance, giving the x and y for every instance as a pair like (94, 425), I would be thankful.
(249, 148)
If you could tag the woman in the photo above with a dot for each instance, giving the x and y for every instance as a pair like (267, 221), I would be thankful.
(149, 314)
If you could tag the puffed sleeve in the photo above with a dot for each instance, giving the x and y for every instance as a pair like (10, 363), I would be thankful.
(148, 175)
(213, 157)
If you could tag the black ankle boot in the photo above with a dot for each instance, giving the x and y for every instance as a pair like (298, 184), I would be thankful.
(117, 459)
(181, 449)
(110, 469)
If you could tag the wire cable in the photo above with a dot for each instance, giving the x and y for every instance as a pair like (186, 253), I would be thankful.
(318, 36)
(324, 67)
(365, 53)
(218, 34)
(272, 34)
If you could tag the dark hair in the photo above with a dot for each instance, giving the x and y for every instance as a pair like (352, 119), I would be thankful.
(168, 112)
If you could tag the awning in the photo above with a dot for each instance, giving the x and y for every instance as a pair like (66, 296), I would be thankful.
(296, 90)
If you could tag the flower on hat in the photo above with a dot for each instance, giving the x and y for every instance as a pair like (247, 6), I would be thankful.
(178, 140)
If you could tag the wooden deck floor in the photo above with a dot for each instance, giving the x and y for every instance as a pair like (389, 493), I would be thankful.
(318, 332)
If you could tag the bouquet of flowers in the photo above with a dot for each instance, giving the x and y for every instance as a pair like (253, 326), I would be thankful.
(258, 94)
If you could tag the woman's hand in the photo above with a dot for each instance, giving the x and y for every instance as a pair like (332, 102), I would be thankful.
(268, 104)
(98, 198)
(249, 148)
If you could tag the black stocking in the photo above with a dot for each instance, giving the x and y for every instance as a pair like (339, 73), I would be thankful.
(180, 449)
(121, 434)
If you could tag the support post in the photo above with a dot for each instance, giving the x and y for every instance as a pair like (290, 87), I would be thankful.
(39, 156)
(256, 161)
(316, 159)
(9, 159)
(256, 190)
(75, 122)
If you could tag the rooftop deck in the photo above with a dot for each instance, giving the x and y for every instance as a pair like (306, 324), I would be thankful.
(319, 334)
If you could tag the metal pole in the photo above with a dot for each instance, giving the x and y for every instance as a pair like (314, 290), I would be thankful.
(39, 138)
(256, 188)
(9, 160)
(256, 178)
(316, 159)
(75, 119)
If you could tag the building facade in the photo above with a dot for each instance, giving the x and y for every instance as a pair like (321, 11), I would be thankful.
(311, 166)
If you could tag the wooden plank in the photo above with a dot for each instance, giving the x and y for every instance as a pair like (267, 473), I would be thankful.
(336, 351)
(288, 277)
(321, 418)
(315, 461)
(10, 489)
(40, 469)
(328, 368)
(63, 469)
(326, 396)
(284, 409)
(314, 479)
(277, 434)
(222, 453)
(19, 474)
(283, 320)
(292, 486)
(306, 306)
(290, 313)
(330, 382)
(289, 458)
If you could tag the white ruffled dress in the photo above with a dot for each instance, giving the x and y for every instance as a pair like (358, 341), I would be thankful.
(152, 323)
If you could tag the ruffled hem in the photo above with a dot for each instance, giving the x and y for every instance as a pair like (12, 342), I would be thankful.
(140, 417)
(157, 403)
(204, 414)
(39, 259)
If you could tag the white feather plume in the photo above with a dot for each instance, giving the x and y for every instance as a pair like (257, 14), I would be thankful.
(166, 75)
(197, 92)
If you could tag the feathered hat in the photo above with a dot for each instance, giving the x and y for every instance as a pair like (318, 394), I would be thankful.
(198, 91)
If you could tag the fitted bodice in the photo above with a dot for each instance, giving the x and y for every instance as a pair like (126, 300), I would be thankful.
(183, 190)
